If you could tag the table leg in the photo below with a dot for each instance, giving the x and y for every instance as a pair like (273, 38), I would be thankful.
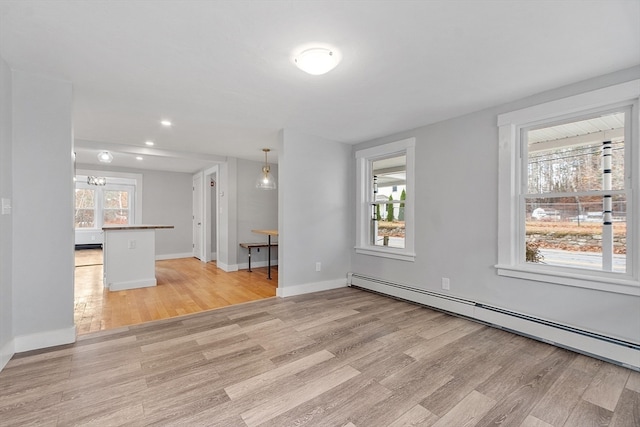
(269, 257)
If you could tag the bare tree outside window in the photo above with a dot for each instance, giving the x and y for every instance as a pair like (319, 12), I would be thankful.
(85, 208)
(566, 195)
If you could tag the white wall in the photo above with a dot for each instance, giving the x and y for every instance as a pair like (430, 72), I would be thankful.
(6, 224)
(257, 210)
(315, 213)
(456, 226)
(42, 166)
(166, 200)
(227, 257)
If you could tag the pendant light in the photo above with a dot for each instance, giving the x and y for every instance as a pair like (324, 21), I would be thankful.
(265, 180)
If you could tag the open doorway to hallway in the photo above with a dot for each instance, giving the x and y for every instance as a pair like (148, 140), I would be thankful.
(185, 286)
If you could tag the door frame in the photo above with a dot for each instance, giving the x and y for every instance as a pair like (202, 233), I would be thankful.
(209, 219)
(197, 215)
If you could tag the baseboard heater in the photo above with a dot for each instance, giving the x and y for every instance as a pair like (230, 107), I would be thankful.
(592, 344)
(89, 246)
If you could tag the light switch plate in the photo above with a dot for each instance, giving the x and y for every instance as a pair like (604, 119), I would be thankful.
(6, 206)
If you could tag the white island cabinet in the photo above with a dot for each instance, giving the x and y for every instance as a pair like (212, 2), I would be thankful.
(130, 256)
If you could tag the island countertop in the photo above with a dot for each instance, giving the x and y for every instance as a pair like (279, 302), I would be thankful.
(135, 227)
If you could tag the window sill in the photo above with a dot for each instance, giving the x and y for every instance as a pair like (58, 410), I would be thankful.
(387, 253)
(623, 285)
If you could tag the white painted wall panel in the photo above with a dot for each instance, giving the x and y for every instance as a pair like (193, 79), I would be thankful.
(43, 234)
(457, 218)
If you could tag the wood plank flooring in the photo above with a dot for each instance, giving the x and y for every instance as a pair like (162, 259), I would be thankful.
(336, 358)
(185, 286)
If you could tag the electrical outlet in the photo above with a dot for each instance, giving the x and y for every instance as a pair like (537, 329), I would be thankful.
(445, 284)
(318, 266)
(132, 244)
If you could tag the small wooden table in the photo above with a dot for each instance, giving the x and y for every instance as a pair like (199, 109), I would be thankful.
(269, 233)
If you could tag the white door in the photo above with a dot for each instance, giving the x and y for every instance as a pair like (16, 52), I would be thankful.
(197, 216)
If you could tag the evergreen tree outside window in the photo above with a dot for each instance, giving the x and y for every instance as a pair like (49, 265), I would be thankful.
(384, 174)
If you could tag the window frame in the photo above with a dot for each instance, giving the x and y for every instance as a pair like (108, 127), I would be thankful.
(511, 162)
(364, 201)
(115, 180)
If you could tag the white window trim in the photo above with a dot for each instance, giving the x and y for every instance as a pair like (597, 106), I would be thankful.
(509, 239)
(120, 178)
(364, 188)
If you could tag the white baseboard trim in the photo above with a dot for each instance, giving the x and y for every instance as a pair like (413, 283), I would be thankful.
(226, 267)
(560, 335)
(599, 348)
(256, 264)
(174, 256)
(6, 353)
(133, 284)
(45, 339)
(307, 288)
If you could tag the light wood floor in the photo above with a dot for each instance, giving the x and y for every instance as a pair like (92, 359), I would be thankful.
(184, 286)
(337, 358)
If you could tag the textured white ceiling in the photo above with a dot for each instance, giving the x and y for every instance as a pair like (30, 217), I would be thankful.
(222, 71)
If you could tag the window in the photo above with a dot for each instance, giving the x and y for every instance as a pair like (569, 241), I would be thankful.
(385, 213)
(85, 208)
(98, 205)
(568, 191)
(115, 206)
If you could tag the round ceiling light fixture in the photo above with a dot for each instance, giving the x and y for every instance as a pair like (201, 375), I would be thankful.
(317, 60)
(105, 157)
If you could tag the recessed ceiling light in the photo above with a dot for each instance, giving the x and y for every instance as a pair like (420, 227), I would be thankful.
(138, 157)
(105, 157)
(317, 60)
(150, 143)
(166, 123)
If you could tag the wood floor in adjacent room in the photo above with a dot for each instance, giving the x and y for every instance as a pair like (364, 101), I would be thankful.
(185, 286)
(336, 358)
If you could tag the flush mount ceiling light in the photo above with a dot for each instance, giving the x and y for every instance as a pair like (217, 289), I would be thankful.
(265, 180)
(105, 157)
(317, 60)
(166, 123)
(150, 143)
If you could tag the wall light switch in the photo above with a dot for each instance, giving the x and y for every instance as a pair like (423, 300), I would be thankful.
(132, 244)
(6, 206)
(446, 284)
(318, 266)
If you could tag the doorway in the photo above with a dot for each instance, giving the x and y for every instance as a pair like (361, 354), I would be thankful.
(205, 215)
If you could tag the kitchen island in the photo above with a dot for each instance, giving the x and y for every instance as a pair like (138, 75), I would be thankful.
(130, 256)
